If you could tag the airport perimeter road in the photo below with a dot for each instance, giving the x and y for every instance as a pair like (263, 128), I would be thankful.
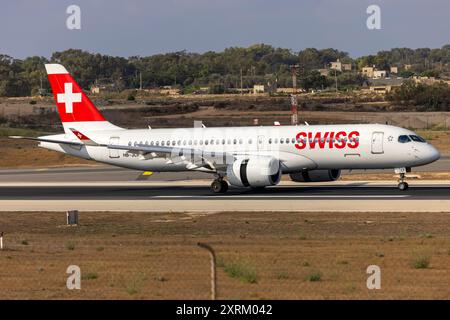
(195, 196)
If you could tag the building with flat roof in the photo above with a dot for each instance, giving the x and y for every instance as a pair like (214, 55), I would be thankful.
(258, 88)
(368, 71)
(382, 85)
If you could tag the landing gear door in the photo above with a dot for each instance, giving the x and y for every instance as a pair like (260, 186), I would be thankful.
(377, 142)
(114, 153)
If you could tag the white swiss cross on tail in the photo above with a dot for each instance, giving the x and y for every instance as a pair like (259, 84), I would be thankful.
(68, 97)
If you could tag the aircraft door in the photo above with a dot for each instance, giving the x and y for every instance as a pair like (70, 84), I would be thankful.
(260, 143)
(114, 153)
(377, 142)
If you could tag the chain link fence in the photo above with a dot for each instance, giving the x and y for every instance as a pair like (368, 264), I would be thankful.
(276, 256)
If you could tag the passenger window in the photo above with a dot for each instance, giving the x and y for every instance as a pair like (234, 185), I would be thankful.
(270, 141)
(240, 141)
(234, 141)
(212, 141)
(223, 141)
(282, 140)
(206, 142)
(162, 143)
(276, 140)
(404, 139)
(249, 141)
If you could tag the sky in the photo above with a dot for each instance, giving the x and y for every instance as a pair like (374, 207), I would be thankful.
(145, 27)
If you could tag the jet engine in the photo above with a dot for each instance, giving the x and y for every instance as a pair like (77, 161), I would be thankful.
(254, 172)
(316, 175)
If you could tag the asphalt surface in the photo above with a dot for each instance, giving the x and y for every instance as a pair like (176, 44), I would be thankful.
(168, 186)
(180, 193)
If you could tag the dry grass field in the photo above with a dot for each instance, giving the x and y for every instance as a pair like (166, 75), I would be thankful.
(260, 255)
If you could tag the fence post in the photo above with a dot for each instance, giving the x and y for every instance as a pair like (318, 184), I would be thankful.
(1, 240)
(213, 268)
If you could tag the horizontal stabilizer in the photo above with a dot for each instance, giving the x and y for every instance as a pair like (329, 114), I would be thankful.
(73, 143)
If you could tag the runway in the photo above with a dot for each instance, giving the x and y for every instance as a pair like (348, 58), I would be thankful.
(105, 188)
(195, 197)
(200, 191)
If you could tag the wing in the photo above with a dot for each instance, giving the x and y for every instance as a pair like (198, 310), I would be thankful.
(192, 157)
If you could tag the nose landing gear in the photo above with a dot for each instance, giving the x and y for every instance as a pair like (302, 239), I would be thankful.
(402, 184)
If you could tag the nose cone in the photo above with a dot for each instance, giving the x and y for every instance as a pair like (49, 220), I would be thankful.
(432, 154)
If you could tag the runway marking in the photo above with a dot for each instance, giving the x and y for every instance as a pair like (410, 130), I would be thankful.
(283, 196)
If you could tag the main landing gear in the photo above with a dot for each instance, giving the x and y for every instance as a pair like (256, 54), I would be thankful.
(219, 185)
(402, 184)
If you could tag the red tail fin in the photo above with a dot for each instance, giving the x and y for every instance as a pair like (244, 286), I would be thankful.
(73, 104)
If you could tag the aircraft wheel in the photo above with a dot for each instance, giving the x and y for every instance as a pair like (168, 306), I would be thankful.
(224, 186)
(403, 186)
(219, 186)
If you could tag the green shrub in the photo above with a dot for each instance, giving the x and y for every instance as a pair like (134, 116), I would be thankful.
(314, 276)
(89, 276)
(421, 262)
(282, 275)
(131, 97)
(240, 270)
(70, 246)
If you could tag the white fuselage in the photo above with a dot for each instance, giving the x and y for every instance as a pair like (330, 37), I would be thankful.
(317, 147)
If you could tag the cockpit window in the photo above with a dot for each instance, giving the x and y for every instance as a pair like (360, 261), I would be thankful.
(417, 138)
(404, 139)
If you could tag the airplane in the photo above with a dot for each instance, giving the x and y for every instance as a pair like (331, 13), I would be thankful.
(251, 157)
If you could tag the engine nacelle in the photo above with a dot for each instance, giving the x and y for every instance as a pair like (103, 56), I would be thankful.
(316, 175)
(254, 172)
